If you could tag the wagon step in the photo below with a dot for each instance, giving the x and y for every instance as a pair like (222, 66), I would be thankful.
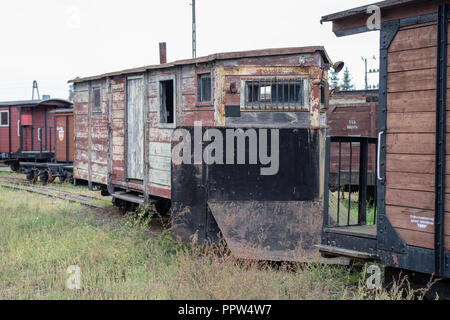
(131, 198)
(335, 251)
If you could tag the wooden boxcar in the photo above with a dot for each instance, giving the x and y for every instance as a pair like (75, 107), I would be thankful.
(128, 123)
(27, 130)
(412, 230)
(354, 114)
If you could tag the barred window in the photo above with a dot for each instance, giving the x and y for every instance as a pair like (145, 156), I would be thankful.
(277, 94)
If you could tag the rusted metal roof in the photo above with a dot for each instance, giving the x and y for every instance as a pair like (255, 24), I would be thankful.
(36, 103)
(388, 4)
(215, 57)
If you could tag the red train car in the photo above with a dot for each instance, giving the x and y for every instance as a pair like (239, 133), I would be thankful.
(354, 114)
(27, 131)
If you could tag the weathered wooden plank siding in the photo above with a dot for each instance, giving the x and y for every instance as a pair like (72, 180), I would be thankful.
(81, 112)
(135, 131)
(410, 138)
(99, 136)
(159, 155)
(118, 95)
(411, 130)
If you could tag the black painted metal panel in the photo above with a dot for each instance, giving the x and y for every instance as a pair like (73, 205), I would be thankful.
(295, 186)
(232, 111)
(298, 178)
(441, 103)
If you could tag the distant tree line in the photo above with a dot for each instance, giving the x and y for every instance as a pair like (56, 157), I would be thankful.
(345, 84)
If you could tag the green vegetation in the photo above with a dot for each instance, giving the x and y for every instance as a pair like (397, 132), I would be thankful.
(370, 215)
(41, 237)
(343, 208)
(346, 84)
(333, 79)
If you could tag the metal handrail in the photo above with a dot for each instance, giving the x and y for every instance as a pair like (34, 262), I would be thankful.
(379, 177)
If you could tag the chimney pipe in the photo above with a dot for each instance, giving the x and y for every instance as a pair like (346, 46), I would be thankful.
(162, 53)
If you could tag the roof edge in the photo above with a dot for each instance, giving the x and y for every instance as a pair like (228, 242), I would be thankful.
(214, 57)
(363, 9)
(34, 103)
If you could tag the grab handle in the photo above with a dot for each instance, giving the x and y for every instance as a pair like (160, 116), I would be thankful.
(379, 156)
(39, 134)
(18, 128)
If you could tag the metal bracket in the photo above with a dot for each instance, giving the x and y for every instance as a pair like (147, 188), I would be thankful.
(388, 238)
(388, 31)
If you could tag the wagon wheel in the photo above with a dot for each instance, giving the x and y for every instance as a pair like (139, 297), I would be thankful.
(63, 177)
(35, 177)
(43, 175)
(15, 166)
(71, 178)
(30, 176)
(51, 178)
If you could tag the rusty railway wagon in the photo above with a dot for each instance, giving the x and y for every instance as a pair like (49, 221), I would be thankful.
(412, 228)
(27, 132)
(129, 124)
(354, 114)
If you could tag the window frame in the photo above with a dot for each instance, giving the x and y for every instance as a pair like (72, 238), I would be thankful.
(306, 107)
(7, 117)
(199, 76)
(97, 109)
(163, 125)
(323, 96)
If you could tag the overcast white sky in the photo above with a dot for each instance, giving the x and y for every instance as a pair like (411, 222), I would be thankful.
(53, 41)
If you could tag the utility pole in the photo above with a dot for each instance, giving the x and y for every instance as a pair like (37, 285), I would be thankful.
(366, 72)
(194, 32)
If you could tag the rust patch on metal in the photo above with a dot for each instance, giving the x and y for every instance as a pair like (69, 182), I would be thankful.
(395, 259)
(273, 231)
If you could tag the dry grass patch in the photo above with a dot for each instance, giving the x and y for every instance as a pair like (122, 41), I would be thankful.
(41, 237)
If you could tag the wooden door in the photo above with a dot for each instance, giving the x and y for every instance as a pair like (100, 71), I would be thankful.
(411, 134)
(411, 137)
(135, 128)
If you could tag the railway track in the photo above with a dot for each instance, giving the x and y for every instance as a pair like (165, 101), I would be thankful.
(24, 185)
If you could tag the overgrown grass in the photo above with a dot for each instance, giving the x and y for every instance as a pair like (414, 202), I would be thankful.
(40, 238)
